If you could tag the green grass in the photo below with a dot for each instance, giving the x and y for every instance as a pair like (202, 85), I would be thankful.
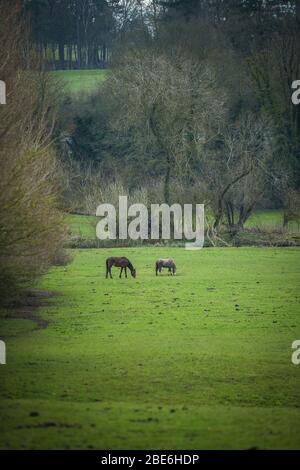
(200, 360)
(83, 226)
(270, 219)
(78, 81)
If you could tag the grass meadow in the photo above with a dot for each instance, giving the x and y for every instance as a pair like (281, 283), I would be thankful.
(201, 360)
(80, 81)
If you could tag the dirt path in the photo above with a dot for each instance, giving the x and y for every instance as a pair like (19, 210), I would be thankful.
(31, 300)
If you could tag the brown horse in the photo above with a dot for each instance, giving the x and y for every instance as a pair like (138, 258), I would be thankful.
(119, 262)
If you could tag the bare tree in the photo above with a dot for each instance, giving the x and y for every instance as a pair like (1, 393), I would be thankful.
(235, 169)
(169, 104)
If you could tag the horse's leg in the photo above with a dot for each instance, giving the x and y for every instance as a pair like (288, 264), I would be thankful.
(110, 272)
(125, 271)
(121, 272)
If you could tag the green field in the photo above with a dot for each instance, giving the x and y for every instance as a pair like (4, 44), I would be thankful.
(80, 81)
(201, 360)
(82, 226)
(270, 220)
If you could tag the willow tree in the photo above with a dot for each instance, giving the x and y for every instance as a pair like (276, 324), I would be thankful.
(31, 231)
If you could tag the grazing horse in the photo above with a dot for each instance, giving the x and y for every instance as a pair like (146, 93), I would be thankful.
(119, 262)
(165, 263)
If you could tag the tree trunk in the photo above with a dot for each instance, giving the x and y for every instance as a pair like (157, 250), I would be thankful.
(70, 54)
(78, 40)
(221, 197)
(230, 214)
(245, 212)
(167, 181)
(61, 54)
(298, 10)
(53, 56)
(104, 54)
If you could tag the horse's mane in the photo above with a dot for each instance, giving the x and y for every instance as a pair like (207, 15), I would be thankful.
(130, 266)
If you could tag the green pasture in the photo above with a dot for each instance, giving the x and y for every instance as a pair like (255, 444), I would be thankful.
(82, 226)
(200, 360)
(80, 81)
(270, 220)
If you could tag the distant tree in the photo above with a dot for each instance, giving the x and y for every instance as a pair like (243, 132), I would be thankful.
(167, 105)
(242, 173)
(79, 30)
(274, 68)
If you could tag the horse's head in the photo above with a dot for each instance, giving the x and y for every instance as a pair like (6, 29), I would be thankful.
(133, 272)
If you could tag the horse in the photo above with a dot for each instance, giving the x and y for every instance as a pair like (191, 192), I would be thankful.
(165, 263)
(119, 262)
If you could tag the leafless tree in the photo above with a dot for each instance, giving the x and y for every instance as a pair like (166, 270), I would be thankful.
(240, 170)
(169, 104)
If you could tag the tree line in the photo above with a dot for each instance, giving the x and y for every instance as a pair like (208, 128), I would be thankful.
(84, 33)
(81, 33)
(198, 102)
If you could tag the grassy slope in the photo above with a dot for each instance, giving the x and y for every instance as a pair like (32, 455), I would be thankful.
(77, 81)
(201, 360)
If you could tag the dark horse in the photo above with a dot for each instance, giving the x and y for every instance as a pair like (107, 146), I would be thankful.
(119, 262)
